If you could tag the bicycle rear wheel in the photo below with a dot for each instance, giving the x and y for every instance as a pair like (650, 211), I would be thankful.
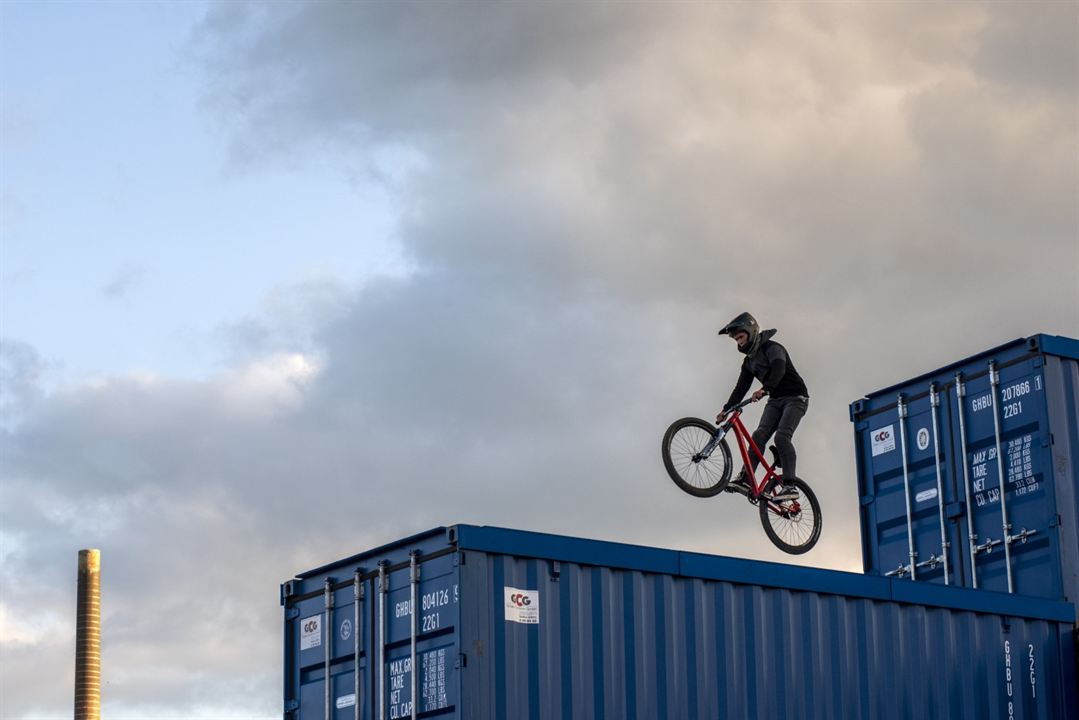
(793, 524)
(682, 446)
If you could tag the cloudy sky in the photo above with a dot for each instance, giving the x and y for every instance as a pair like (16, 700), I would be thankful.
(283, 281)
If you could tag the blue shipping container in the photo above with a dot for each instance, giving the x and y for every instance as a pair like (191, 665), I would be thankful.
(967, 475)
(521, 625)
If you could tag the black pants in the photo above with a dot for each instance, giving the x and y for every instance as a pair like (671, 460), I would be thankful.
(781, 416)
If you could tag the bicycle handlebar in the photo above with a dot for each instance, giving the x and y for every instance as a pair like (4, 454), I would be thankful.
(739, 406)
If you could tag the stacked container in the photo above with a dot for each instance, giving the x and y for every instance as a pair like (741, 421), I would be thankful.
(483, 623)
(967, 475)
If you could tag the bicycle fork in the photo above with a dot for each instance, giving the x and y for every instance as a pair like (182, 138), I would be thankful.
(707, 450)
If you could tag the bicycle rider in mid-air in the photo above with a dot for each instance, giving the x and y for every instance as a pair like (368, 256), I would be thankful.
(768, 361)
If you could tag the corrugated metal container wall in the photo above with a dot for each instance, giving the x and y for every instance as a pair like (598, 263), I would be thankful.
(522, 625)
(930, 456)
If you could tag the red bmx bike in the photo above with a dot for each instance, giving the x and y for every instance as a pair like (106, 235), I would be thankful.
(698, 459)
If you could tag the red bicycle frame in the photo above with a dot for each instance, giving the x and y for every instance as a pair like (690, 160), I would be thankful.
(745, 438)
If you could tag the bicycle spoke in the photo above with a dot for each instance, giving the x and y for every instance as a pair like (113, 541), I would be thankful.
(684, 447)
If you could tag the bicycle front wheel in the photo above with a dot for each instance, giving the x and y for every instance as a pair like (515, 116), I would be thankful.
(793, 523)
(683, 444)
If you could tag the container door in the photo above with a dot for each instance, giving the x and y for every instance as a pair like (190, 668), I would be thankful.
(888, 483)
(883, 498)
(321, 632)
(1017, 445)
(436, 593)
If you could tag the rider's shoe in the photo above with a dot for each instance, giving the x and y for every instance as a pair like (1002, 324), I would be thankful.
(740, 483)
(780, 490)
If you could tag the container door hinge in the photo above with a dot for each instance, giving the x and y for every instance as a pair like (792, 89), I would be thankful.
(293, 613)
(556, 571)
(462, 661)
(1049, 441)
(459, 558)
(292, 705)
(866, 500)
(1054, 521)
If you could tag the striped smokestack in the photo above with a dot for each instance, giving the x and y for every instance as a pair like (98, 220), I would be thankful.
(88, 638)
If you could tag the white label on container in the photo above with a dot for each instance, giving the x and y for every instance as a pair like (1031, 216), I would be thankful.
(311, 632)
(522, 606)
(883, 440)
(346, 701)
(925, 495)
(923, 438)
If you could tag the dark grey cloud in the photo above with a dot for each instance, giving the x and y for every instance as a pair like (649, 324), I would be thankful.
(1031, 47)
(597, 189)
(396, 70)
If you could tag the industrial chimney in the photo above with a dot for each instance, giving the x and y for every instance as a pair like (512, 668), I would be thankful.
(88, 637)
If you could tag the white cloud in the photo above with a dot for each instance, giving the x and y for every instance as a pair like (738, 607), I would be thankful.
(19, 629)
(268, 386)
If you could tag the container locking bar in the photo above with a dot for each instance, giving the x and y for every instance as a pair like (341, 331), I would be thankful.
(327, 634)
(357, 594)
(902, 407)
(900, 571)
(1022, 535)
(972, 537)
(383, 588)
(934, 401)
(987, 546)
(414, 580)
(994, 381)
(930, 563)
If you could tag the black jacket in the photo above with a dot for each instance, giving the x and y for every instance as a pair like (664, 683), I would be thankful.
(773, 367)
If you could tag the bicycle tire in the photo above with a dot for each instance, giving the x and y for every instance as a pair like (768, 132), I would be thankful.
(700, 478)
(802, 528)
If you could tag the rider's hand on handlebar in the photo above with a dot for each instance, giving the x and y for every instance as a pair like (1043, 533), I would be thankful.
(759, 394)
(721, 417)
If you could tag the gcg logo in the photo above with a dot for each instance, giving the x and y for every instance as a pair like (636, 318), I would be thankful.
(310, 632)
(882, 440)
(522, 606)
